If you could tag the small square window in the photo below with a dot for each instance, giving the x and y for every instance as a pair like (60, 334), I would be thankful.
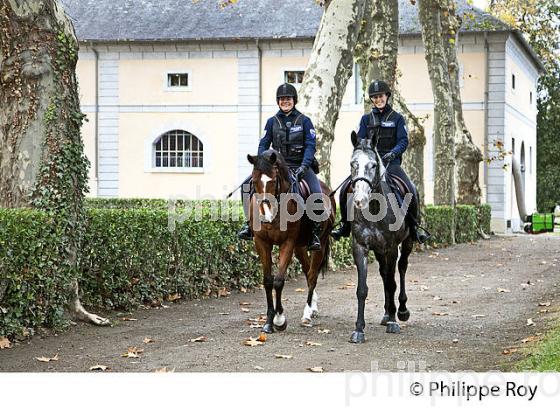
(178, 80)
(293, 77)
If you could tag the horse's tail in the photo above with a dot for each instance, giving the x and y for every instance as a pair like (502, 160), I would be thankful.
(325, 262)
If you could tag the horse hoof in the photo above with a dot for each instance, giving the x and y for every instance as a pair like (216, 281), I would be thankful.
(281, 328)
(403, 316)
(393, 327)
(315, 313)
(306, 322)
(386, 319)
(267, 328)
(357, 337)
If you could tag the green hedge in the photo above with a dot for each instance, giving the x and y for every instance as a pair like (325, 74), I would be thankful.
(131, 257)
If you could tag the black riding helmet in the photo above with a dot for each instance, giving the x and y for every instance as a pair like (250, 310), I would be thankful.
(379, 87)
(286, 90)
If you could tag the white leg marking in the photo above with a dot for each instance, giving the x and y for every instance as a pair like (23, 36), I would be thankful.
(279, 320)
(314, 300)
(307, 313)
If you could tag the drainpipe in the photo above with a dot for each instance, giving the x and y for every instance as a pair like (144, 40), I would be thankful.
(96, 109)
(486, 92)
(259, 54)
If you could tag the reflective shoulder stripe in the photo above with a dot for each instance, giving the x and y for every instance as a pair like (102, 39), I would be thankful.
(279, 122)
(297, 121)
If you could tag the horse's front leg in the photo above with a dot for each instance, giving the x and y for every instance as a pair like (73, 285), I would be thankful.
(285, 257)
(390, 287)
(310, 308)
(360, 254)
(264, 251)
(406, 248)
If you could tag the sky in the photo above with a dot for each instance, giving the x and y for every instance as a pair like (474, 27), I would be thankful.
(481, 4)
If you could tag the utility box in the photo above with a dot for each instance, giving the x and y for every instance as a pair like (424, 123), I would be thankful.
(538, 223)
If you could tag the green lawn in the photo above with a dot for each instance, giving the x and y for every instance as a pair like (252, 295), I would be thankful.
(545, 356)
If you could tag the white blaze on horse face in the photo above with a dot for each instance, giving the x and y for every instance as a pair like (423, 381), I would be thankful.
(361, 188)
(266, 207)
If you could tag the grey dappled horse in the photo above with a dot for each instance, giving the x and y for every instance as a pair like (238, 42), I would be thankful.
(382, 233)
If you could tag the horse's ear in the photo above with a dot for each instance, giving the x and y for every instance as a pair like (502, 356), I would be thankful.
(354, 138)
(273, 158)
(374, 139)
(251, 159)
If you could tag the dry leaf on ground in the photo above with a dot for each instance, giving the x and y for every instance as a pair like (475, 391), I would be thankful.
(199, 339)
(440, 314)
(165, 370)
(252, 342)
(5, 343)
(283, 356)
(244, 303)
(98, 367)
(310, 343)
(148, 340)
(530, 339)
(325, 331)
(129, 319)
(509, 351)
(477, 316)
(47, 359)
(546, 304)
(262, 337)
(245, 310)
(223, 292)
(502, 290)
(530, 322)
(300, 290)
(316, 369)
(173, 297)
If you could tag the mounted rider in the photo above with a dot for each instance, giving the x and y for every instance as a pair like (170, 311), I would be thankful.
(390, 127)
(292, 134)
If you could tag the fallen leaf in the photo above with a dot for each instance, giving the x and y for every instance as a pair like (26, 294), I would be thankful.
(199, 339)
(165, 370)
(325, 331)
(129, 319)
(544, 311)
(173, 297)
(223, 313)
(309, 343)
(133, 353)
(5, 343)
(509, 351)
(477, 316)
(48, 359)
(424, 288)
(223, 292)
(437, 298)
(243, 290)
(98, 367)
(455, 340)
(262, 337)
(283, 356)
(502, 290)
(244, 303)
(300, 290)
(530, 339)
(440, 314)
(544, 304)
(348, 285)
(316, 369)
(245, 310)
(148, 340)
(258, 368)
(530, 322)
(252, 342)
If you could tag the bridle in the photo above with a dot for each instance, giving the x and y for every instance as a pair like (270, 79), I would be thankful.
(367, 181)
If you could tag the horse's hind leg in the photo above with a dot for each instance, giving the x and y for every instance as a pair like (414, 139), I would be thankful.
(305, 261)
(285, 257)
(312, 274)
(406, 248)
(360, 259)
(264, 250)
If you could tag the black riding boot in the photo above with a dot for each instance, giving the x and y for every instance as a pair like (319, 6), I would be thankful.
(245, 232)
(343, 230)
(315, 241)
(419, 236)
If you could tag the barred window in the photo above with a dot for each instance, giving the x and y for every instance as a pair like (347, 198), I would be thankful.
(179, 149)
(293, 77)
(178, 79)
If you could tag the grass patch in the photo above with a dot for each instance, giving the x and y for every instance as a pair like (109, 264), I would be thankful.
(545, 356)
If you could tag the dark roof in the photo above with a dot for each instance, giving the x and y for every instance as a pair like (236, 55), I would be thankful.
(165, 20)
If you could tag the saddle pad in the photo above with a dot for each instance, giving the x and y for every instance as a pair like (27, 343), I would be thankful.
(399, 188)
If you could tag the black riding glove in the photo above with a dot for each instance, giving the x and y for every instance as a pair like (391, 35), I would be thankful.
(388, 157)
(300, 172)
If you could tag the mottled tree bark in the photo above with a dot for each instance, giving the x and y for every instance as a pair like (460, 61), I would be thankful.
(328, 71)
(430, 14)
(42, 163)
(376, 53)
(467, 155)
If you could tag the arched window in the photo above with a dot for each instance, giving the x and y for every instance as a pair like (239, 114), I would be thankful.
(178, 149)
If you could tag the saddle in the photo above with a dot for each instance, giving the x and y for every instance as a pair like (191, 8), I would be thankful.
(399, 188)
(301, 188)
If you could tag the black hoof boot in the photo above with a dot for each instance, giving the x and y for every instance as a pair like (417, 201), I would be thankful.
(357, 337)
(245, 233)
(404, 315)
(267, 328)
(384, 320)
(393, 327)
(343, 230)
(283, 327)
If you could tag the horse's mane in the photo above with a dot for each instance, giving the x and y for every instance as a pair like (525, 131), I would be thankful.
(364, 145)
(263, 163)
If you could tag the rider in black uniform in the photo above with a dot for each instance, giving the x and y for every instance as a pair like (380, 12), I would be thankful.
(392, 143)
(292, 134)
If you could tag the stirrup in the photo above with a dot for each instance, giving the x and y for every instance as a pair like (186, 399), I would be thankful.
(314, 245)
(245, 233)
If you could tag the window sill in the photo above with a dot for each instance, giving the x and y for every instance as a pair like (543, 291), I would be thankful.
(177, 89)
(176, 170)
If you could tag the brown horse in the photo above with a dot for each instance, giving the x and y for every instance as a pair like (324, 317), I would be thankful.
(275, 218)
